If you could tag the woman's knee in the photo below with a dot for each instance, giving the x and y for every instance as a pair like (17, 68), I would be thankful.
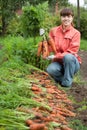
(68, 58)
(53, 68)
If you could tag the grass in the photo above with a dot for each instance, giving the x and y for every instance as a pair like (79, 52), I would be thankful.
(15, 91)
(83, 45)
(77, 125)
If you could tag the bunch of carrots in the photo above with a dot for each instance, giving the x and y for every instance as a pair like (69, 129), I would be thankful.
(44, 46)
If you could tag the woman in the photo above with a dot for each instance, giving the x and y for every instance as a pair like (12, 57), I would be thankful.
(66, 61)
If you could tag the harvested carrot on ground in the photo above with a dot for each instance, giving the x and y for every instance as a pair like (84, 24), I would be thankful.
(65, 128)
(57, 100)
(37, 126)
(29, 122)
(35, 88)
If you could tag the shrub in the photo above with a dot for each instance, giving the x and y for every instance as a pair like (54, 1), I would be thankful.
(21, 49)
(14, 26)
(33, 18)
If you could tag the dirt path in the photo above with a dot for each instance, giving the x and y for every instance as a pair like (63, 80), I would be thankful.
(79, 91)
(83, 55)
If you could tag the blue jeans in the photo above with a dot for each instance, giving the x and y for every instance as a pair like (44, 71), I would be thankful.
(63, 73)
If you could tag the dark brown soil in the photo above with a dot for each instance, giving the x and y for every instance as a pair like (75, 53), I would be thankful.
(83, 55)
(79, 91)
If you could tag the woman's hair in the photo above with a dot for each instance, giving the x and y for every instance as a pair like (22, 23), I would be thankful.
(66, 12)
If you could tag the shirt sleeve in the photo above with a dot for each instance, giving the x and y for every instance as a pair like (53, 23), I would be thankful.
(73, 48)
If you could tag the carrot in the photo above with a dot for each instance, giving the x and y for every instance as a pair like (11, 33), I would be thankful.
(39, 49)
(66, 113)
(29, 122)
(52, 44)
(45, 51)
(37, 126)
(35, 88)
(45, 73)
(37, 120)
(45, 128)
(65, 128)
(48, 119)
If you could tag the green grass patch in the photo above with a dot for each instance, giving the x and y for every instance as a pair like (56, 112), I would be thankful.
(15, 91)
(77, 125)
(83, 45)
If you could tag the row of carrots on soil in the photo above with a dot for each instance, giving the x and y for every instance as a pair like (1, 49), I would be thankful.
(60, 105)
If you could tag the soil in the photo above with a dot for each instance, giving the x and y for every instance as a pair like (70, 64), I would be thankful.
(79, 91)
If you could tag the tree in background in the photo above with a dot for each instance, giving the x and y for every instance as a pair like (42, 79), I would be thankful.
(7, 11)
(78, 14)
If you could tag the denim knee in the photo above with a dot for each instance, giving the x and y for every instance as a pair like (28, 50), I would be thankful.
(68, 58)
(51, 69)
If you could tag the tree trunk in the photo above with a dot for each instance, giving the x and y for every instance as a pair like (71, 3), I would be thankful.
(3, 8)
(3, 25)
(56, 8)
(78, 15)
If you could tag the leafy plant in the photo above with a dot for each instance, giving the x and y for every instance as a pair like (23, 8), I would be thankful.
(32, 18)
(83, 45)
(77, 125)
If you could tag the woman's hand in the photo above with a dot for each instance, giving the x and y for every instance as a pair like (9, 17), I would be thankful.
(51, 57)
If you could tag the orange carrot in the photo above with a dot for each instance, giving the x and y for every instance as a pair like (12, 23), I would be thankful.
(35, 88)
(37, 126)
(29, 122)
(52, 44)
(39, 49)
(45, 51)
(65, 128)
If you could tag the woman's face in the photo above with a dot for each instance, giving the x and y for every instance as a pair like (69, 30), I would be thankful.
(66, 20)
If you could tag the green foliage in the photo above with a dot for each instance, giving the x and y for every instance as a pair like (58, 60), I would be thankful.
(33, 18)
(84, 107)
(15, 92)
(21, 49)
(30, 21)
(61, 3)
(6, 8)
(83, 45)
(25, 50)
(12, 119)
(83, 21)
(50, 22)
(14, 26)
(77, 125)
(83, 29)
(54, 125)
(35, 15)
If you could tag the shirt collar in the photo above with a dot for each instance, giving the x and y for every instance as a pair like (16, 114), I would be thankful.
(69, 28)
